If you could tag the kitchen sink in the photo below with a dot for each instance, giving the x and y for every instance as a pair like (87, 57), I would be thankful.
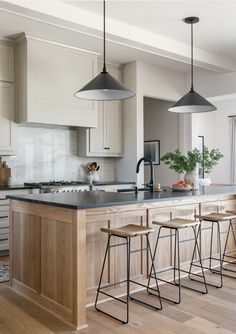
(132, 190)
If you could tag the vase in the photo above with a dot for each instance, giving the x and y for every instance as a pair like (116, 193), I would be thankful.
(192, 178)
(90, 178)
(95, 176)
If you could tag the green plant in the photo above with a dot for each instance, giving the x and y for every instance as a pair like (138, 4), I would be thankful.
(211, 159)
(181, 163)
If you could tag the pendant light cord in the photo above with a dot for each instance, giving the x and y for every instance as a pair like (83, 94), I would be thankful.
(192, 57)
(104, 36)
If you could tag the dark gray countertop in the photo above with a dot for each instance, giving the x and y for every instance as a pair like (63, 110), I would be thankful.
(96, 199)
(14, 187)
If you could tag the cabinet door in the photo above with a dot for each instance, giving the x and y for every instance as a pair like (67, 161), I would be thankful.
(6, 63)
(114, 135)
(7, 125)
(53, 74)
(97, 136)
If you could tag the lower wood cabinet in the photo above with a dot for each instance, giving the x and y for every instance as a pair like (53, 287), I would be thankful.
(4, 216)
(57, 253)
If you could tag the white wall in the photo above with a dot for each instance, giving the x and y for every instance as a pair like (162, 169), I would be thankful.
(212, 84)
(215, 127)
(45, 154)
(163, 125)
(151, 81)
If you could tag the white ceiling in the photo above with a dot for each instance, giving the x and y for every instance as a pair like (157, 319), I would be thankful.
(215, 32)
(149, 31)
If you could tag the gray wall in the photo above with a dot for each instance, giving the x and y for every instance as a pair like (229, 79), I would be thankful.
(161, 124)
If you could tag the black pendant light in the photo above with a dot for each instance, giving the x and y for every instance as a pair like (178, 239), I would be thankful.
(192, 102)
(104, 87)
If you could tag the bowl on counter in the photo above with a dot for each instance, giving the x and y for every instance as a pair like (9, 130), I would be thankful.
(181, 188)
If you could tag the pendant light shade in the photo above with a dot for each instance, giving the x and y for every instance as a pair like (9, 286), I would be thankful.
(192, 102)
(104, 87)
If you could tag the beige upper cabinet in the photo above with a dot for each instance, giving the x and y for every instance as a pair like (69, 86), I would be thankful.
(107, 139)
(47, 76)
(6, 62)
(7, 124)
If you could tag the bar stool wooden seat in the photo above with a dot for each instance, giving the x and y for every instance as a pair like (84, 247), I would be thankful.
(177, 224)
(216, 218)
(127, 232)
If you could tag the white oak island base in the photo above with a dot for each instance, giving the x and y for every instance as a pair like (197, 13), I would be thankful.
(57, 253)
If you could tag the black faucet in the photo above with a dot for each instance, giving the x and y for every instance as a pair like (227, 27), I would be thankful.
(150, 185)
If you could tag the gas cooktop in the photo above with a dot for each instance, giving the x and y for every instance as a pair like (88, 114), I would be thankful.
(53, 183)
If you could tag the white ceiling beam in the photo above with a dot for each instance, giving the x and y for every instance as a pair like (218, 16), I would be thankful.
(71, 18)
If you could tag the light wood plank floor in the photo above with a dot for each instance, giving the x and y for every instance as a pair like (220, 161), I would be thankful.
(214, 313)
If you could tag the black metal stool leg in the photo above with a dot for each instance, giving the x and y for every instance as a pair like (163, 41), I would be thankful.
(194, 249)
(179, 285)
(175, 251)
(154, 273)
(156, 290)
(197, 248)
(226, 254)
(154, 256)
(211, 244)
(221, 263)
(128, 280)
(210, 257)
(128, 284)
(103, 266)
(216, 271)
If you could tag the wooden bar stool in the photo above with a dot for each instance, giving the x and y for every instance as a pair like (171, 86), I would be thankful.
(127, 232)
(216, 218)
(176, 225)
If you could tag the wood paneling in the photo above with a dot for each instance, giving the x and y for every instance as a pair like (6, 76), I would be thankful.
(48, 255)
(26, 249)
(56, 261)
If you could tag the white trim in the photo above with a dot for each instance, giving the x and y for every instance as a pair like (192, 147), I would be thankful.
(23, 36)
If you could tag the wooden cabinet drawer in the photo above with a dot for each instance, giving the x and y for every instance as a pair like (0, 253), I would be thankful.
(4, 245)
(4, 236)
(4, 222)
(4, 201)
(4, 208)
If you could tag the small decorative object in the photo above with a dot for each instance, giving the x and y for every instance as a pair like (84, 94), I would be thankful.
(93, 172)
(152, 151)
(158, 187)
(189, 163)
(192, 178)
(5, 173)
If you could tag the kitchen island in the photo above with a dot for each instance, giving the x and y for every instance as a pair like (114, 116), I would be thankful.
(57, 247)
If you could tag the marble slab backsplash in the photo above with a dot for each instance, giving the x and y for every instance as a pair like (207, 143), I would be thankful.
(45, 154)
